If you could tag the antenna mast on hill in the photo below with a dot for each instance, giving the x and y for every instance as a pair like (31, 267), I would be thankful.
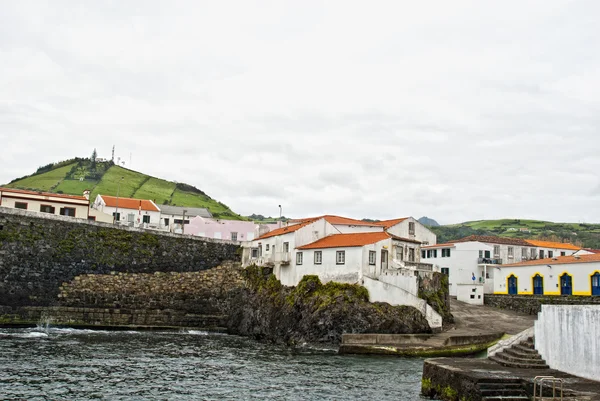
(113, 154)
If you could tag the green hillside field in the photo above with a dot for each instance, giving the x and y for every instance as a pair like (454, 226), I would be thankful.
(76, 175)
(582, 234)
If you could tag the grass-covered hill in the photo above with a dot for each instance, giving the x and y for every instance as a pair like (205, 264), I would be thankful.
(76, 175)
(586, 235)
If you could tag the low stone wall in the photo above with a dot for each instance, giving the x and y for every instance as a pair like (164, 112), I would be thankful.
(532, 304)
(109, 318)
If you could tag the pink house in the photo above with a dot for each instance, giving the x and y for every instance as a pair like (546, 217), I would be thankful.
(227, 229)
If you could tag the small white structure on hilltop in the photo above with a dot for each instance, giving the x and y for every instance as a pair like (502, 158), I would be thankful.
(340, 249)
(475, 260)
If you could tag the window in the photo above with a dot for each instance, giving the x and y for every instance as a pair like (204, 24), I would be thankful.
(487, 254)
(267, 248)
(299, 258)
(318, 257)
(286, 247)
(411, 228)
(254, 253)
(480, 254)
(131, 217)
(445, 252)
(234, 236)
(166, 222)
(67, 211)
(550, 254)
(511, 252)
(411, 254)
(117, 216)
(541, 254)
(532, 252)
(446, 271)
(146, 219)
(372, 257)
(400, 253)
(91, 218)
(47, 209)
(178, 221)
(496, 251)
(340, 257)
(424, 254)
(563, 254)
(21, 205)
(428, 253)
(523, 253)
(435, 253)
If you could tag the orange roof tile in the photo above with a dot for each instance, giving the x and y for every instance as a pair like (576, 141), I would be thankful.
(559, 260)
(347, 240)
(445, 245)
(335, 220)
(130, 203)
(25, 192)
(556, 245)
(390, 223)
(284, 230)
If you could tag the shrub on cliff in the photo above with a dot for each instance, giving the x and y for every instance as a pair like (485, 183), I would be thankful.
(313, 312)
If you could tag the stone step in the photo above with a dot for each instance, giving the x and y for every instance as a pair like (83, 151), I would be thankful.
(520, 354)
(522, 348)
(511, 358)
(507, 398)
(516, 364)
(515, 392)
(528, 344)
(491, 381)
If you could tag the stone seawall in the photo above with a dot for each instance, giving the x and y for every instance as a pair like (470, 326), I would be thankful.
(39, 253)
(532, 304)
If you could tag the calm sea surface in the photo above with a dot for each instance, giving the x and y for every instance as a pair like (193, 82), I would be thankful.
(68, 364)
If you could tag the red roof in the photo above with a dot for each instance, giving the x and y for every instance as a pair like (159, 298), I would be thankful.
(24, 192)
(390, 223)
(335, 220)
(556, 245)
(285, 230)
(559, 260)
(446, 245)
(347, 240)
(130, 203)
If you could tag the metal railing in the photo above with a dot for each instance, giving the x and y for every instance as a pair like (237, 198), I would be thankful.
(540, 380)
(489, 261)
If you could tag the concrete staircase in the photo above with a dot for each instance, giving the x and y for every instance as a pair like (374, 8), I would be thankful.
(502, 390)
(522, 355)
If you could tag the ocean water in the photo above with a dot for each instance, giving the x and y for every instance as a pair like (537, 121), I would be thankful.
(68, 364)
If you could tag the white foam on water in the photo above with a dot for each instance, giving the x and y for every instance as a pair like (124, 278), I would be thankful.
(33, 334)
(197, 332)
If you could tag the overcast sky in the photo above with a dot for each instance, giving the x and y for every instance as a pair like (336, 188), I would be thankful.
(458, 110)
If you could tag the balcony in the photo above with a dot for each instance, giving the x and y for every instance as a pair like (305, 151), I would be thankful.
(489, 261)
(283, 258)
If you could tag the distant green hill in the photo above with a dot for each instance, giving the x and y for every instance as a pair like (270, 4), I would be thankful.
(76, 175)
(585, 235)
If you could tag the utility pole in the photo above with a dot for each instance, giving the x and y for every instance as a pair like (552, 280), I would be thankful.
(183, 223)
(117, 201)
(280, 216)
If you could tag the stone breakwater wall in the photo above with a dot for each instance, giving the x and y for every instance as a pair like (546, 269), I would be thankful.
(192, 292)
(39, 253)
(532, 304)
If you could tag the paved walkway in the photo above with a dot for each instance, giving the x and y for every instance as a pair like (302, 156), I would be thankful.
(474, 319)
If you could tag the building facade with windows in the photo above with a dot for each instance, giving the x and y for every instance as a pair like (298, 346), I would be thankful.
(474, 259)
(293, 251)
(233, 230)
(561, 275)
(129, 211)
(45, 202)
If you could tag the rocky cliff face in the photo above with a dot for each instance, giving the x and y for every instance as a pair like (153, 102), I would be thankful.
(312, 312)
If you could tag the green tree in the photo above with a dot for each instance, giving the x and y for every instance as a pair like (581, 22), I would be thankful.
(93, 160)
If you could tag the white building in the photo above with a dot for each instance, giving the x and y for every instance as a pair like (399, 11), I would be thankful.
(128, 211)
(45, 202)
(473, 260)
(560, 275)
(173, 217)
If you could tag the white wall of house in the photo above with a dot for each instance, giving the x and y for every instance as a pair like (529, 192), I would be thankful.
(554, 252)
(470, 293)
(34, 203)
(402, 278)
(422, 233)
(313, 232)
(566, 337)
(132, 215)
(581, 277)
(329, 269)
(100, 216)
(384, 292)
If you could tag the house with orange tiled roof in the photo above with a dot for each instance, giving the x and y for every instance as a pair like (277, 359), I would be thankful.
(45, 202)
(129, 211)
(560, 275)
(472, 262)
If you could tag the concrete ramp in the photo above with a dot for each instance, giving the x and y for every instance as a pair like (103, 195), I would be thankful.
(389, 293)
